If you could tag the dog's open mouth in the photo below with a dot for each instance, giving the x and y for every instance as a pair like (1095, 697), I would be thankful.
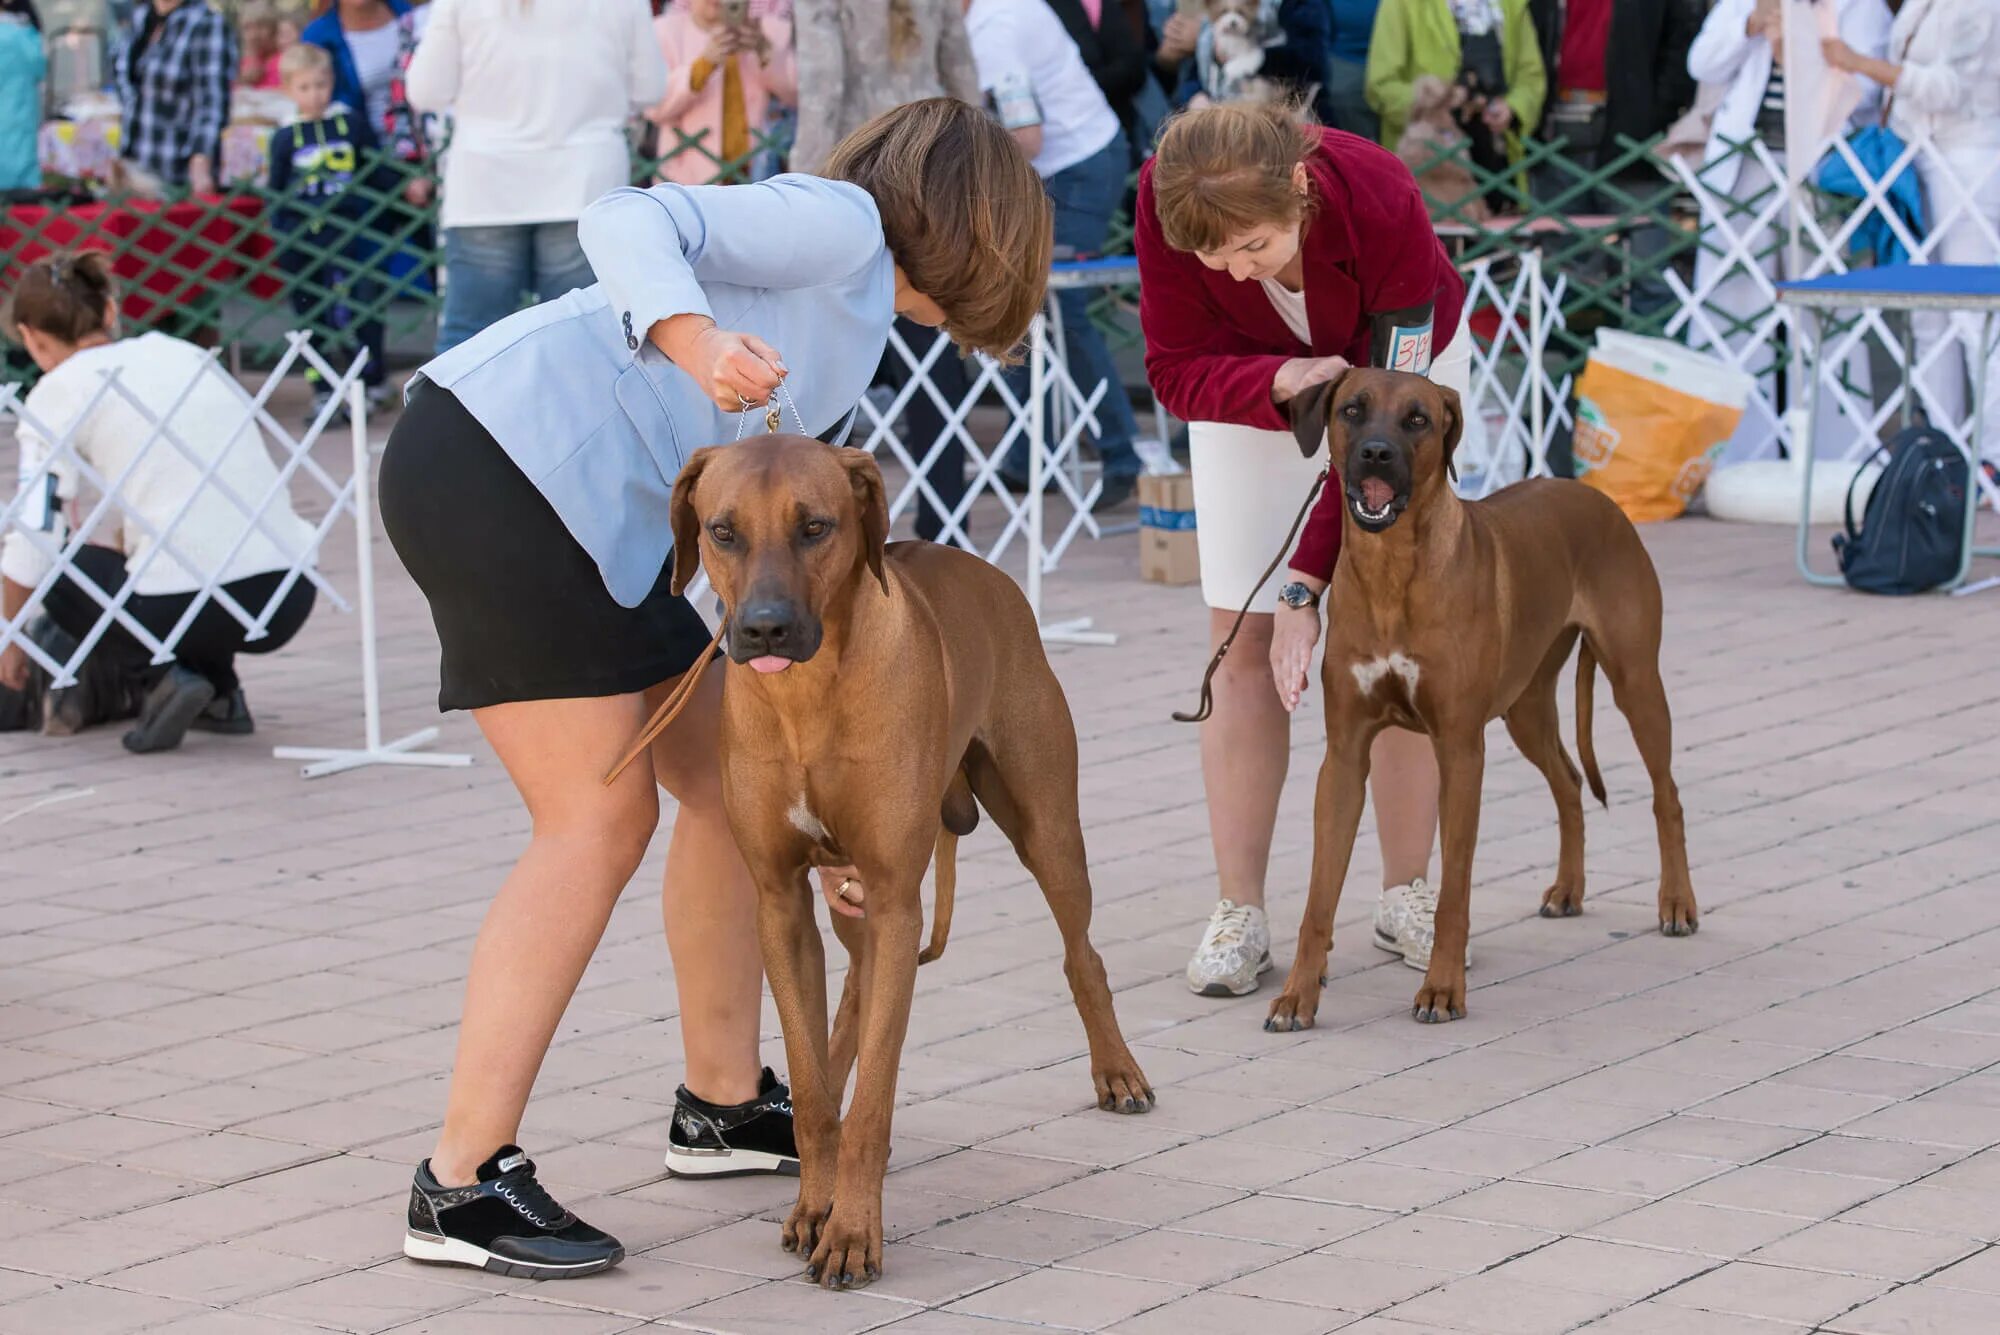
(1374, 502)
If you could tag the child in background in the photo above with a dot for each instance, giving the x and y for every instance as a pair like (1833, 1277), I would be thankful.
(258, 30)
(316, 163)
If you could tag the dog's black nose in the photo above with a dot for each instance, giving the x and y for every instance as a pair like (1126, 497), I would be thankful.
(764, 628)
(1377, 452)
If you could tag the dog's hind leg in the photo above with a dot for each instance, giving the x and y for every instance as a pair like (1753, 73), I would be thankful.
(1035, 807)
(1631, 659)
(1533, 724)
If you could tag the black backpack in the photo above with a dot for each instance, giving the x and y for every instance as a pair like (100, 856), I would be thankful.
(1910, 535)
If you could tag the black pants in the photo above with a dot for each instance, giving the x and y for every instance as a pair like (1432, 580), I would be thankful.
(322, 289)
(213, 638)
(926, 423)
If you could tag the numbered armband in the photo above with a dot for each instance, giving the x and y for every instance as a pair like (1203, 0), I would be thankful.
(1400, 340)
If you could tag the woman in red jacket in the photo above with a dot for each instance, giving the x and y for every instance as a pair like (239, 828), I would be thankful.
(1268, 252)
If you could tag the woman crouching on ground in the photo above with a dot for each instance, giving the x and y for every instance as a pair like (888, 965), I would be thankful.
(1267, 251)
(526, 487)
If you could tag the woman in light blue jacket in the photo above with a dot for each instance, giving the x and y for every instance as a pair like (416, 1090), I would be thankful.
(526, 488)
(22, 65)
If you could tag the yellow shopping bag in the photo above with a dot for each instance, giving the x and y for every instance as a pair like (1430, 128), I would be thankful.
(1651, 416)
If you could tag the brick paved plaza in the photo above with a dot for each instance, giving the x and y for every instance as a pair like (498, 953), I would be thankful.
(227, 999)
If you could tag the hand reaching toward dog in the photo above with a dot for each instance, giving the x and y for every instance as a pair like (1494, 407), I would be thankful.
(1302, 373)
(1293, 635)
(843, 891)
(737, 371)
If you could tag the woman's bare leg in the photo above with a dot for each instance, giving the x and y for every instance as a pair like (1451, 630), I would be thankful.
(551, 910)
(1403, 780)
(1246, 746)
(709, 904)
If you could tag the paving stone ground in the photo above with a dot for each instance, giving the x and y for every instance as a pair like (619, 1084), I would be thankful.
(227, 1000)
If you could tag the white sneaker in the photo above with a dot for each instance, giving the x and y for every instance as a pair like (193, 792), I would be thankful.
(1392, 910)
(1419, 926)
(1233, 951)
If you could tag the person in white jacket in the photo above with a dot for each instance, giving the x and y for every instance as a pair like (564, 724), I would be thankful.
(1740, 48)
(539, 92)
(1942, 71)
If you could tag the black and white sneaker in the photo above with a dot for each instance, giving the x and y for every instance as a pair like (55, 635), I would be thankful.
(709, 1140)
(506, 1223)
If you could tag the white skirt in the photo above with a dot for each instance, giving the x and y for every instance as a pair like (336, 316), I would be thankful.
(1249, 485)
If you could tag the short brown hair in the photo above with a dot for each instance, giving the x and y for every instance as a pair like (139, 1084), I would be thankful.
(1224, 168)
(64, 296)
(963, 213)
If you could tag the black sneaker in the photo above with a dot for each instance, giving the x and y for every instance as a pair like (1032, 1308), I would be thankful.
(709, 1140)
(226, 714)
(506, 1223)
(170, 707)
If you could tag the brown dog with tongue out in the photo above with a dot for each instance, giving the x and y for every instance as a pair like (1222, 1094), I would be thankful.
(875, 692)
(1446, 614)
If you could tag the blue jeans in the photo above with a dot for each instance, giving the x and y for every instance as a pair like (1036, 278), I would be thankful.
(488, 269)
(1085, 196)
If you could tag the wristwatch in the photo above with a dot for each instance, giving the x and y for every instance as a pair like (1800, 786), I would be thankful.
(1296, 595)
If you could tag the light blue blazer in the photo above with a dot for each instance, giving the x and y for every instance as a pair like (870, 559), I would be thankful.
(601, 422)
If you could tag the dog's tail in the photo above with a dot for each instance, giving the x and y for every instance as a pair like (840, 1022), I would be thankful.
(1586, 684)
(947, 890)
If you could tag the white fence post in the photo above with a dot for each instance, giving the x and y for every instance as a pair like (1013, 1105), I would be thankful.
(374, 751)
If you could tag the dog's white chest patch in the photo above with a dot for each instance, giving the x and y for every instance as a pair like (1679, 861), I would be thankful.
(1369, 674)
(804, 821)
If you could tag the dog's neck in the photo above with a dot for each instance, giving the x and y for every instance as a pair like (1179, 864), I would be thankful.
(1424, 540)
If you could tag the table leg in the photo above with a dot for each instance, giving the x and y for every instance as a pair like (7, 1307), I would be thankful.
(1816, 347)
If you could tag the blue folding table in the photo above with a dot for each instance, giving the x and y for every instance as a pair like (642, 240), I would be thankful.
(1971, 288)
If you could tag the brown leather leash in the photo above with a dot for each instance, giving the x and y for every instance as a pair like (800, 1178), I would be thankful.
(1207, 705)
(670, 709)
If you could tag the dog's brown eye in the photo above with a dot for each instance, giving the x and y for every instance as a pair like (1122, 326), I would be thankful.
(815, 528)
(1352, 410)
(722, 533)
(1418, 421)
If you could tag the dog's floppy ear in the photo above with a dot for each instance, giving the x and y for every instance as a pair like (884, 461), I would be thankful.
(686, 523)
(1454, 427)
(1308, 410)
(871, 502)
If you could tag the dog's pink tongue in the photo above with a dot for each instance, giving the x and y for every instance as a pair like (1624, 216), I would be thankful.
(770, 663)
(1375, 493)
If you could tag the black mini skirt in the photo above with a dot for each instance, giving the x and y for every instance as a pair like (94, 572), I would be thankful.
(520, 608)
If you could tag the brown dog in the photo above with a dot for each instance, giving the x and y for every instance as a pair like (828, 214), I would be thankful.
(873, 692)
(1445, 615)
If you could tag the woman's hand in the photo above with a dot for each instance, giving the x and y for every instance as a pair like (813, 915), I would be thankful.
(201, 175)
(834, 880)
(1300, 374)
(722, 44)
(14, 665)
(737, 371)
(419, 191)
(1293, 635)
(1499, 117)
(1177, 40)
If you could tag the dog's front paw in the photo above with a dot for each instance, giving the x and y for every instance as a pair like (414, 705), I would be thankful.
(808, 1217)
(849, 1254)
(1562, 900)
(1440, 1000)
(1678, 914)
(1122, 1087)
(1294, 1008)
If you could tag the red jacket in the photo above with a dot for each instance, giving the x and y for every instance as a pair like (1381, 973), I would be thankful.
(1213, 344)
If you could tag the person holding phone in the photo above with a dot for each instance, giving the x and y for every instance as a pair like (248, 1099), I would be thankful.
(723, 71)
(1272, 255)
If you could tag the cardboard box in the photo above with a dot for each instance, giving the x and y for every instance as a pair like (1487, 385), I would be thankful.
(1167, 546)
